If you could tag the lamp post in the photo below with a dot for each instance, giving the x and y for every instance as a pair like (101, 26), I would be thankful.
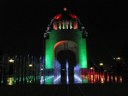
(30, 68)
(119, 64)
(11, 62)
(10, 79)
(31, 71)
(101, 67)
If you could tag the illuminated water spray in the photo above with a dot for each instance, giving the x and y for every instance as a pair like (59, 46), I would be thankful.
(77, 74)
(67, 76)
(57, 74)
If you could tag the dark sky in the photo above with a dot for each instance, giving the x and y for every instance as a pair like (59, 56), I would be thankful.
(23, 24)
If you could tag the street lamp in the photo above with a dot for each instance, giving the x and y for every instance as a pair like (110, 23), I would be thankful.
(101, 64)
(11, 60)
(91, 68)
(30, 65)
(11, 67)
(101, 67)
(118, 58)
(30, 69)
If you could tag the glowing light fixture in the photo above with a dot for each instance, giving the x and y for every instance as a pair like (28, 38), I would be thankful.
(30, 65)
(11, 61)
(101, 64)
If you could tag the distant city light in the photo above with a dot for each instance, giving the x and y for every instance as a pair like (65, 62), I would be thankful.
(117, 58)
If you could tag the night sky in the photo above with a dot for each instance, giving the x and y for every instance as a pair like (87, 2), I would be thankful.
(23, 24)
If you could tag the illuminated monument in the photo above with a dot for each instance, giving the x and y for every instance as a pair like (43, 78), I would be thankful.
(65, 52)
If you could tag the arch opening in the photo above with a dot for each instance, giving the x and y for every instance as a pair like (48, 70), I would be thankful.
(67, 60)
(66, 66)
